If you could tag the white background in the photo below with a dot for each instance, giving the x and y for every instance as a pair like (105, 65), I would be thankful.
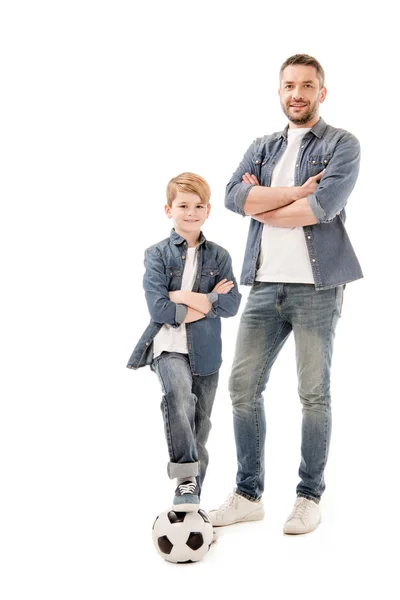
(101, 104)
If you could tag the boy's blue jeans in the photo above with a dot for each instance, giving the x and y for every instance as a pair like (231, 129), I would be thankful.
(272, 311)
(186, 406)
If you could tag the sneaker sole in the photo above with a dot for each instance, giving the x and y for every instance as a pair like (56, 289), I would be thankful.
(185, 507)
(301, 532)
(257, 515)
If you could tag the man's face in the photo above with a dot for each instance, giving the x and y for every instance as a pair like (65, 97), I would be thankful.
(300, 95)
(188, 212)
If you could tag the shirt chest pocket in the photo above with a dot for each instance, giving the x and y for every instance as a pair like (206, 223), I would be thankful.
(260, 161)
(317, 163)
(174, 278)
(209, 278)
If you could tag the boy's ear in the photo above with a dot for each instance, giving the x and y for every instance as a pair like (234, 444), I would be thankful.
(208, 209)
(168, 211)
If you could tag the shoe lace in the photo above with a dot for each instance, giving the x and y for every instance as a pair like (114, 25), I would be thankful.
(232, 499)
(187, 488)
(300, 509)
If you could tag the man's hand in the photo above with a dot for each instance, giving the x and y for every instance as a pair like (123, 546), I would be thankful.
(247, 178)
(310, 186)
(223, 287)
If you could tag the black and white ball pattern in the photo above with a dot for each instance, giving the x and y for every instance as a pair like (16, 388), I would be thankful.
(182, 537)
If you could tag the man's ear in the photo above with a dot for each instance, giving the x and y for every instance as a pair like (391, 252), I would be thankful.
(322, 94)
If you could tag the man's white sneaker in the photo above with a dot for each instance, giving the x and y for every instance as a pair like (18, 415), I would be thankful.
(236, 509)
(305, 517)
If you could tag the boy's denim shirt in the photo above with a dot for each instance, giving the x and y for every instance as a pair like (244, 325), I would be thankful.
(332, 257)
(164, 264)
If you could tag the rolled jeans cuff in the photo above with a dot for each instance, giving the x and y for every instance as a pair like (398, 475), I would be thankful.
(182, 469)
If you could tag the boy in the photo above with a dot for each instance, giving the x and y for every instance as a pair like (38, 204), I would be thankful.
(188, 285)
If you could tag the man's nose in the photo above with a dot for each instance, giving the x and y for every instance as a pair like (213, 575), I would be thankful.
(297, 94)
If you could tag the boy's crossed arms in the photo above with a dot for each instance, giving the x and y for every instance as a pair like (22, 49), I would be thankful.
(198, 304)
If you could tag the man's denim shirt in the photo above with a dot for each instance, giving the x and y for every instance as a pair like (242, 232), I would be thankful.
(332, 257)
(164, 264)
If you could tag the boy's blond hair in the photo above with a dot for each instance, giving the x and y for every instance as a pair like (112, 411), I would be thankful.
(188, 183)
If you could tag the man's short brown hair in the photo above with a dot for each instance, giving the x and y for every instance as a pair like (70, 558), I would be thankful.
(188, 183)
(307, 60)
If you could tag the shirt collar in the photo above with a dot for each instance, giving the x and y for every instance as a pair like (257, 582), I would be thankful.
(318, 129)
(177, 239)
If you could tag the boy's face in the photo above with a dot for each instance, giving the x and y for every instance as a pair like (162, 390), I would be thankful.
(188, 213)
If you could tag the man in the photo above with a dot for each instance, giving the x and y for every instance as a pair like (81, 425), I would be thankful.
(294, 185)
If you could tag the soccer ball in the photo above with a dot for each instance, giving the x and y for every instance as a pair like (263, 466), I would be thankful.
(182, 537)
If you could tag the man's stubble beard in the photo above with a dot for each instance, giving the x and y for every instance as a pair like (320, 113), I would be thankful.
(301, 120)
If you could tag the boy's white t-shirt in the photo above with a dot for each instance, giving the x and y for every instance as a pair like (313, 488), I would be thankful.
(284, 256)
(173, 339)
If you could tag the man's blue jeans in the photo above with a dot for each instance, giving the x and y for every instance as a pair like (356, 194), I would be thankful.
(186, 406)
(272, 311)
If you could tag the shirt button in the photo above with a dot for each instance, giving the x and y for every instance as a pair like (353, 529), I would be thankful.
(303, 146)
(170, 273)
(183, 256)
(258, 162)
(147, 343)
(297, 165)
(325, 162)
(313, 259)
(309, 237)
(211, 272)
(313, 162)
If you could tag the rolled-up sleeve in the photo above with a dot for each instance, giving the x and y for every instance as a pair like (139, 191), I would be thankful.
(161, 308)
(180, 313)
(337, 181)
(225, 305)
(236, 191)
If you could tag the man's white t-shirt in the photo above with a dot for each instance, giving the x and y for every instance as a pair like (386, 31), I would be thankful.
(284, 256)
(173, 339)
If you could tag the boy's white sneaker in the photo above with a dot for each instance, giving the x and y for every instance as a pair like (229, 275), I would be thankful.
(237, 509)
(305, 517)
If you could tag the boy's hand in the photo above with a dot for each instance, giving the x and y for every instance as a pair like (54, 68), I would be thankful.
(223, 287)
(247, 178)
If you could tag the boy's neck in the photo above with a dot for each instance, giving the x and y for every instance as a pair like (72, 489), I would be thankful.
(192, 238)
